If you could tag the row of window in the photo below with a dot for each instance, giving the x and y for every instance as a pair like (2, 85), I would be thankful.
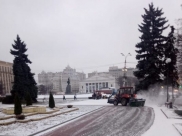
(96, 86)
(5, 69)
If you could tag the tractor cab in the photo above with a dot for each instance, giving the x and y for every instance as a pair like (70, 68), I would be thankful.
(127, 95)
(126, 92)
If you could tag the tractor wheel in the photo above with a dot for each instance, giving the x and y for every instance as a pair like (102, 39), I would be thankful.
(115, 103)
(123, 102)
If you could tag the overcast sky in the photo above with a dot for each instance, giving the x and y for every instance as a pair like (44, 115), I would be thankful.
(89, 35)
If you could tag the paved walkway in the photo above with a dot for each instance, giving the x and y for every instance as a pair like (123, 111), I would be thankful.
(109, 121)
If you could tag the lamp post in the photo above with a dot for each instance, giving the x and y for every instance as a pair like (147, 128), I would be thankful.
(168, 60)
(124, 74)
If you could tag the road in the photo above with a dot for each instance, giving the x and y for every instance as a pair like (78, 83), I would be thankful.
(109, 121)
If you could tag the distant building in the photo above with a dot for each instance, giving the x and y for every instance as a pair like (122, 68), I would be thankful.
(98, 73)
(97, 82)
(6, 76)
(116, 72)
(57, 82)
(75, 78)
(51, 81)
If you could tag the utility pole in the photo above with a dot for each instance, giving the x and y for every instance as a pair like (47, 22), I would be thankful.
(125, 69)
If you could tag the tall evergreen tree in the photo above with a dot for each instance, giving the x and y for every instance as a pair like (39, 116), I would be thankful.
(150, 51)
(28, 99)
(51, 101)
(171, 72)
(17, 105)
(23, 78)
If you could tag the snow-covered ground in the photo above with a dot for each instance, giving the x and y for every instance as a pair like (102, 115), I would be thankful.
(67, 96)
(162, 125)
(22, 129)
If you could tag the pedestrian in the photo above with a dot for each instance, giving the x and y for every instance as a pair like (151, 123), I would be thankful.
(64, 97)
(75, 97)
(94, 95)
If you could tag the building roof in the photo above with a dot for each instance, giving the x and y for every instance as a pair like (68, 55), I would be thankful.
(97, 77)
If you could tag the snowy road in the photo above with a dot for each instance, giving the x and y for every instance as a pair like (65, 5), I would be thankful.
(111, 120)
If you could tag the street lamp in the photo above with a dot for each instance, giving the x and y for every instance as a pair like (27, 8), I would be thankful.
(125, 70)
(168, 60)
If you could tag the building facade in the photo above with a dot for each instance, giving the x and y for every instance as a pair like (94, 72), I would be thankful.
(97, 82)
(51, 81)
(6, 76)
(117, 72)
(75, 78)
(57, 82)
(98, 73)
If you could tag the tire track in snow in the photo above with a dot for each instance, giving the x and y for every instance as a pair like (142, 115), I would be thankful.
(103, 121)
(110, 121)
(71, 128)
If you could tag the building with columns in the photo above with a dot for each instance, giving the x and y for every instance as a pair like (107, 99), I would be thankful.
(97, 82)
(6, 76)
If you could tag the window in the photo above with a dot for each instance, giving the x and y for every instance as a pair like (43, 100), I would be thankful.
(106, 84)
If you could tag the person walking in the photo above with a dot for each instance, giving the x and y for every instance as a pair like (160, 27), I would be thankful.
(64, 97)
(75, 97)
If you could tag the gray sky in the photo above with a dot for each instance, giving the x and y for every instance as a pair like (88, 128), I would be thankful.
(89, 35)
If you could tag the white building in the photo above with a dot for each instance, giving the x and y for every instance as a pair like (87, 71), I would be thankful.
(97, 82)
(56, 80)
(75, 78)
(117, 72)
(52, 81)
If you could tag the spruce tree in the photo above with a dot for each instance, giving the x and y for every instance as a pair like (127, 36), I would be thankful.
(23, 78)
(51, 101)
(171, 72)
(17, 105)
(28, 99)
(150, 51)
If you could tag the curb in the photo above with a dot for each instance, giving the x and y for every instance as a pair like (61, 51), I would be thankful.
(177, 129)
(164, 114)
(167, 116)
(36, 119)
(64, 122)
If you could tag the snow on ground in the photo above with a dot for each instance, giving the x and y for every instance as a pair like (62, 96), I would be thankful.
(19, 129)
(89, 102)
(162, 125)
(66, 96)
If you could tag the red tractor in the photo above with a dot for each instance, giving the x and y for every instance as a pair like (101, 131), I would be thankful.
(127, 95)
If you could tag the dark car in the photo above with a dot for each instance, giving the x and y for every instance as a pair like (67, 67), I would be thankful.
(111, 99)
